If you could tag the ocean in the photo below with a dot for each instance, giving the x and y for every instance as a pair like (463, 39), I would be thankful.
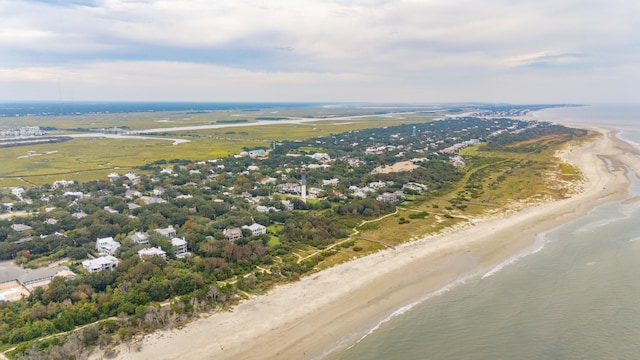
(575, 296)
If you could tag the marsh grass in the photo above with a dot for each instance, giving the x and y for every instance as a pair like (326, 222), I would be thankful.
(86, 159)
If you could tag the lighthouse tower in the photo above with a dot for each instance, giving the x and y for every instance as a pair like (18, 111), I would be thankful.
(303, 188)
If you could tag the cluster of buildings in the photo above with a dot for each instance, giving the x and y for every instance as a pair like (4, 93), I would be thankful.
(17, 283)
(233, 234)
(23, 131)
(107, 248)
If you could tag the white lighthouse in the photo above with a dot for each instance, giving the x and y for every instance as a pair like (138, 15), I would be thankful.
(303, 189)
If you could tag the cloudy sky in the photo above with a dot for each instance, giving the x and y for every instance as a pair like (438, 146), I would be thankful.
(321, 50)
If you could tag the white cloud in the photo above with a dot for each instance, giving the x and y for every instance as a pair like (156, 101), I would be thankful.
(338, 47)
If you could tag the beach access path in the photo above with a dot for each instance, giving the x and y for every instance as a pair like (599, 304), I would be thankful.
(337, 306)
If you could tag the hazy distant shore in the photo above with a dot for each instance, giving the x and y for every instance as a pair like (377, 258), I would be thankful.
(335, 307)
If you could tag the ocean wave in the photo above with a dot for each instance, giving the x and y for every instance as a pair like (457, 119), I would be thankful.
(599, 224)
(541, 242)
(441, 291)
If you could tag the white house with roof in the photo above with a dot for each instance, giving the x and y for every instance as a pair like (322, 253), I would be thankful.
(387, 197)
(79, 215)
(152, 251)
(140, 238)
(333, 182)
(75, 194)
(20, 227)
(102, 263)
(17, 191)
(169, 231)
(256, 229)
(107, 245)
(288, 205)
(61, 184)
(130, 194)
(257, 153)
(180, 246)
(320, 156)
(131, 176)
(415, 187)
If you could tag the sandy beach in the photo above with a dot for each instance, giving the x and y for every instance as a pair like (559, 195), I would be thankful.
(335, 307)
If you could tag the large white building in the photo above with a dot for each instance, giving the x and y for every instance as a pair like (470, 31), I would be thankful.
(180, 245)
(256, 229)
(107, 245)
(169, 231)
(152, 251)
(140, 238)
(102, 263)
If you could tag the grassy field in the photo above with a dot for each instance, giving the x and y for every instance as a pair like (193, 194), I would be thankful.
(493, 182)
(85, 159)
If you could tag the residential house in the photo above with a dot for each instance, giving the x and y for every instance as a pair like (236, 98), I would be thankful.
(180, 246)
(110, 210)
(387, 197)
(20, 227)
(17, 191)
(140, 238)
(79, 215)
(314, 192)
(132, 177)
(377, 184)
(169, 231)
(107, 245)
(415, 187)
(332, 182)
(61, 184)
(152, 251)
(232, 234)
(288, 205)
(256, 229)
(321, 156)
(130, 194)
(266, 209)
(289, 187)
(75, 194)
(267, 180)
(148, 200)
(133, 206)
(257, 153)
(102, 263)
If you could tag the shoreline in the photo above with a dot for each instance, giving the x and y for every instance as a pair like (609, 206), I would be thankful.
(337, 306)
